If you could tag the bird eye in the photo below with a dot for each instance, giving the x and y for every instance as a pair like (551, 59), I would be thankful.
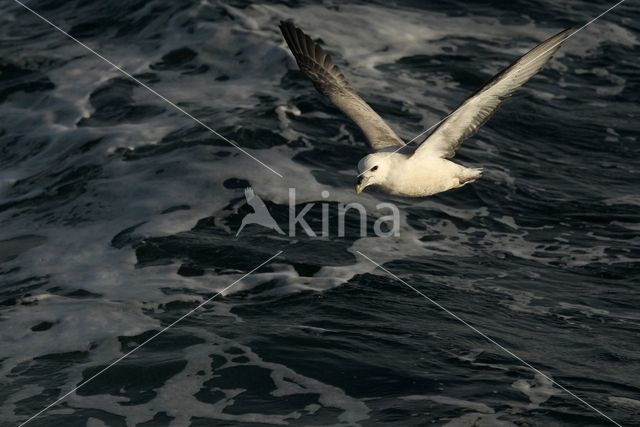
(375, 168)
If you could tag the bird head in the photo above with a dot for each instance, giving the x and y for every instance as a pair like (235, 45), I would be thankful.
(372, 170)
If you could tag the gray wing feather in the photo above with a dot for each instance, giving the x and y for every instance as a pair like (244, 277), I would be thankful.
(328, 80)
(479, 107)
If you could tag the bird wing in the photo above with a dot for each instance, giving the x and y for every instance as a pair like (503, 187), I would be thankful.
(479, 107)
(328, 80)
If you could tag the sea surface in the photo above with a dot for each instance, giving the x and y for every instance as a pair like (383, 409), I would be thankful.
(119, 214)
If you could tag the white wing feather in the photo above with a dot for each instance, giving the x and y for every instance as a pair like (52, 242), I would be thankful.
(479, 107)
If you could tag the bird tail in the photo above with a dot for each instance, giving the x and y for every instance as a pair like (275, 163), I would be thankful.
(477, 173)
(472, 175)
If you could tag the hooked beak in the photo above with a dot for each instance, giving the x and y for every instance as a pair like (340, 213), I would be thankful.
(361, 184)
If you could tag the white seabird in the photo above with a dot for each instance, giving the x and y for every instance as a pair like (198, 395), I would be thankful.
(426, 170)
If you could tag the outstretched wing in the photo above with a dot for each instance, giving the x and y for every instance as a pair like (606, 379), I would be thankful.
(479, 107)
(329, 81)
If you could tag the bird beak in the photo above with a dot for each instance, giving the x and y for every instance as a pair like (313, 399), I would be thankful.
(361, 184)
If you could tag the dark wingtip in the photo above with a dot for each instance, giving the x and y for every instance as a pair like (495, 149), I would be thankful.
(287, 28)
(287, 23)
(568, 31)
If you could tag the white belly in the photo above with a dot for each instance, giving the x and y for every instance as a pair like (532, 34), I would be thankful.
(427, 177)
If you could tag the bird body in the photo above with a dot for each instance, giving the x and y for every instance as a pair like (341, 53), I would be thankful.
(405, 175)
(432, 176)
(426, 170)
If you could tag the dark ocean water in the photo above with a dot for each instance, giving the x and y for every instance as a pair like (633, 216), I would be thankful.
(118, 215)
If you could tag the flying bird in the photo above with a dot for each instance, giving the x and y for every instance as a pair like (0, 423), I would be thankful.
(425, 170)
